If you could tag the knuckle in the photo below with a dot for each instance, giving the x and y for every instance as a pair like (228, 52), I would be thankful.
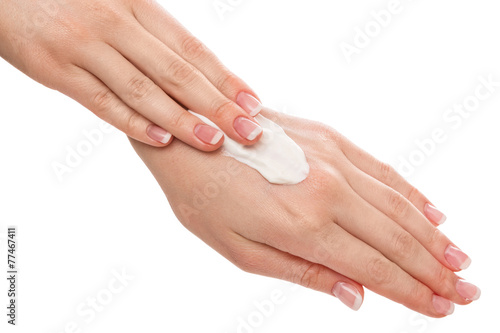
(133, 123)
(327, 134)
(221, 110)
(228, 82)
(433, 237)
(81, 33)
(311, 226)
(246, 261)
(380, 271)
(105, 13)
(192, 48)
(398, 206)
(414, 194)
(101, 101)
(140, 88)
(325, 245)
(177, 119)
(181, 73)
(404, 245)
(327, 183)
(386, 172)
(446, 283)
(309, 278)
(416, 294)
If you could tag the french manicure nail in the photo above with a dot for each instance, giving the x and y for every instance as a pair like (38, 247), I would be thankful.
(433, 214)
(442, 305)
(208, 134)
(468, 290)
(158, 134)
(348, 295)
(456, 257)
(249, 103)
(247, 128)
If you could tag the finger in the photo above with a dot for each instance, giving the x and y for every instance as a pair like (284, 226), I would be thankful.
(396, 207)
(372, 269)
(186, 84)
(368, 224)
(387, 175)
(155, 19)
(258, 258)
(86, 89)
(141, 94)
(326, 243)
(340, 251)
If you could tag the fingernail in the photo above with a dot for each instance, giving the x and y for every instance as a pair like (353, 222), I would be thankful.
(433, 214)
(249, 103)
(468, 290)
(208, 134)
(456, 257)
(348, 295)
(442, 305)
(158, 134)
(247, 128)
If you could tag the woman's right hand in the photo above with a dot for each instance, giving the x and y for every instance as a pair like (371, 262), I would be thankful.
(133, 65)
(353, 222)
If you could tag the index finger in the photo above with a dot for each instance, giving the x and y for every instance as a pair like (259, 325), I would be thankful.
(155, 19)
(186, 84)
(390, 177)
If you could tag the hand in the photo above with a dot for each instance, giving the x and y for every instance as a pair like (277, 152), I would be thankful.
(354, 221)
(133, 65)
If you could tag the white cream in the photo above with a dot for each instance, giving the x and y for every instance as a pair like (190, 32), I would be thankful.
(275, 156)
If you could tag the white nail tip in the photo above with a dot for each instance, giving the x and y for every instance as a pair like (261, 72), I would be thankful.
(465, 264)
(166, 138)
(254, 133)
(443, 219)
(477, 295)
(442, 305)
(339, 291)
(357, 302)
(256, 110)
(216, 138)
(451, 309)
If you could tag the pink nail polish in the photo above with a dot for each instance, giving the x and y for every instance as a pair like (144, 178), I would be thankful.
(442, 305)
(208, 134)
(249, 103)
(348, 295)
(456, 257)
(468, 290)
(433, 214)
(158, 134)
(247, 128)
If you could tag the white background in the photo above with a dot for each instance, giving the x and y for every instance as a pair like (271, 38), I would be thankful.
(109, 213)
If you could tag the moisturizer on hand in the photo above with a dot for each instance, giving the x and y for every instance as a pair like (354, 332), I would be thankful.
(276, 156)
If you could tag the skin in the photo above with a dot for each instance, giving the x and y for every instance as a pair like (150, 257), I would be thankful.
(354, 219)
(128, 61)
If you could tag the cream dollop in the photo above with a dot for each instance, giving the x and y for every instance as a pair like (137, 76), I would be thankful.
(276, 156)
